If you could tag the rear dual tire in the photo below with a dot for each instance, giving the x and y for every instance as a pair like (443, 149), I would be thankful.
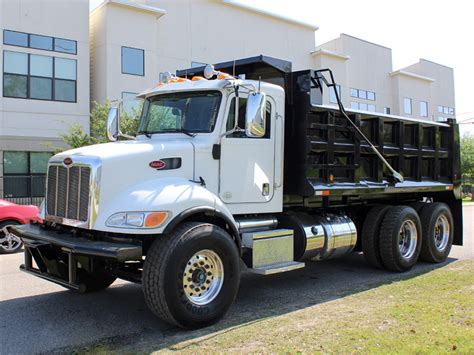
(437, 224)
(394, 237)
(400, 238)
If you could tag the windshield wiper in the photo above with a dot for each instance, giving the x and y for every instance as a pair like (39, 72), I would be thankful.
(148, 134)
(179, 130)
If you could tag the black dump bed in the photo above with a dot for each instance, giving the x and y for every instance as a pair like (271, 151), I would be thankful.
(327, 162)
(323, 151)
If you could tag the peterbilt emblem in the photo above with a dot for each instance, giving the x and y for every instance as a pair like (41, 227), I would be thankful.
(67, 162)
(157, 164)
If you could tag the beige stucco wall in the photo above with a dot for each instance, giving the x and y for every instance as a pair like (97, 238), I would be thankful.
(367, 68)
(33, 124)
(416, 89)
(191, 30)
(441, 90)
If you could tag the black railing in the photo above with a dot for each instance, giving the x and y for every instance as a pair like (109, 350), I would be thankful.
(23, 189)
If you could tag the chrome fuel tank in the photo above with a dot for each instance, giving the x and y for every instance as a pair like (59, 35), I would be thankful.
(320, 237)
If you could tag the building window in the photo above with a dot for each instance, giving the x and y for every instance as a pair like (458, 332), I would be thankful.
(48, 43)
(362, 106)
(65, 46)
(423, 109)
(32, 76)
(24, 173)
(362, 94)
(14, 38)
(386, 110)
(41, 42)
(407, 105)
(446, 110)
(332, 94)
(133, 61)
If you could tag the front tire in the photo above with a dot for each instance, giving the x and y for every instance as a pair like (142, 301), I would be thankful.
(191, 276)
(400, 238)
(438, 230)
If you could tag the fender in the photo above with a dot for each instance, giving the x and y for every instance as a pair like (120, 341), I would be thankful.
(174, 195)
(210, 211)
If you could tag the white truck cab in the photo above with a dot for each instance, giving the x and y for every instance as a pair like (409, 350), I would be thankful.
(188, 155)
(228, 172)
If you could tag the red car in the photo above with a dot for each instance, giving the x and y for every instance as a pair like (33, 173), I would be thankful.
(11, 214)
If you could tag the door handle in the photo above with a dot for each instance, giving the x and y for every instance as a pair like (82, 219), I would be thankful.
(266, 189)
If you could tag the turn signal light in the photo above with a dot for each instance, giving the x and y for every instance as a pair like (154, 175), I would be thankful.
(224, 76)
(154, 219)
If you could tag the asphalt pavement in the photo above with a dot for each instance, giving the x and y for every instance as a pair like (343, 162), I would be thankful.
(40, 317)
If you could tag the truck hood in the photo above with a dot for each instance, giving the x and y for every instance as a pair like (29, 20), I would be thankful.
(125, 163)
(128, 149)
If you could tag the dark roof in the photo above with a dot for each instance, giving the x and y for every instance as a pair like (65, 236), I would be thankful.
(242, 66)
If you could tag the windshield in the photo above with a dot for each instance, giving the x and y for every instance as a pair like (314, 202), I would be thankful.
(181, 112)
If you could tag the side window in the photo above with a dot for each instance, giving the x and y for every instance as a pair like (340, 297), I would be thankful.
(241, 118)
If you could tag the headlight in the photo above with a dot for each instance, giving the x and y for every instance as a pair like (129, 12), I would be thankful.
(137, 219)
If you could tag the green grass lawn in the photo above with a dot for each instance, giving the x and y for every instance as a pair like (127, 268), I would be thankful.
(431, 313)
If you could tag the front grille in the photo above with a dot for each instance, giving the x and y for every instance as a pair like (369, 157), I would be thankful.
(68, 192)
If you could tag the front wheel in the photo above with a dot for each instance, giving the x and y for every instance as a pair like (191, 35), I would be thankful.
(191, 276)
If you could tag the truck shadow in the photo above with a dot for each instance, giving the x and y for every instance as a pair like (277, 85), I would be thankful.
(118, 318)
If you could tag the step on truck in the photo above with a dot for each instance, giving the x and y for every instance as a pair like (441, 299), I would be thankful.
(241, 166)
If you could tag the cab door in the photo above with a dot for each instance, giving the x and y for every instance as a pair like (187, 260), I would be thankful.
(247, 165)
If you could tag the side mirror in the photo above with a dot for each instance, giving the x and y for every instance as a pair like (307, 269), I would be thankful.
(113, 124)
(255, 115)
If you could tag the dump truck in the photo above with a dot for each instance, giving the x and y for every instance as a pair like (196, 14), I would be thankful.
(241, 167)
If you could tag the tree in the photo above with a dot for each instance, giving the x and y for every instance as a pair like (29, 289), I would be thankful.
(467, 157)
(77, 137)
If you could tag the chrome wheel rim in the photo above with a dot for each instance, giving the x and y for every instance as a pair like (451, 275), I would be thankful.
(203, 277)
(8, 240)
(407, 239)
(441, 232)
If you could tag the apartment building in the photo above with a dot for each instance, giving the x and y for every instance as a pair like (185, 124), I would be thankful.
(364, 70)
(45, 86)
(166, 35)
(57, 58)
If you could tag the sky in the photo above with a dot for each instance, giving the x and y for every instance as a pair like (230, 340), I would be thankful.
(440, 31)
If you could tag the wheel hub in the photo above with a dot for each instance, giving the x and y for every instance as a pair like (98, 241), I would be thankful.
(441, 232)
(407, 239)
(9, 241)
(203, 277)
